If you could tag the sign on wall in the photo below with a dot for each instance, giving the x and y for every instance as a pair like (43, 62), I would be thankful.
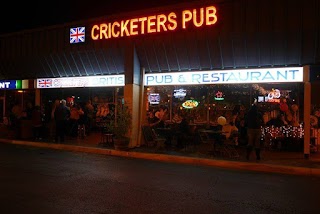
(180, 93)
(8, 84)
(189, 104)
(16, 84)
(77, 35)
(154, 98)
(73, 82)
(263, 75)
(157, 23)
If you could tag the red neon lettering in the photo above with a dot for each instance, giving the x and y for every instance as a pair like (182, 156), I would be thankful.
(155, 24)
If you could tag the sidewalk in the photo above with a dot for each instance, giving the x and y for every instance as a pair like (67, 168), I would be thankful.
(272, 161)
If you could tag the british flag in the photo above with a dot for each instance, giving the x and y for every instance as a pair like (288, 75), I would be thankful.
(44, 83)
(77, 34)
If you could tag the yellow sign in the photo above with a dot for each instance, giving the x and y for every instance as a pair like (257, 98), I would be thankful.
(190, 104)
(204, 16)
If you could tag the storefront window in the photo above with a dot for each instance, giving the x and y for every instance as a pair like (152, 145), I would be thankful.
(206, 103)
(102, 100)
(25, 98)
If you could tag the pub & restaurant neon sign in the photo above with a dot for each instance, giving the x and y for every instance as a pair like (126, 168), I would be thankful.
(204, 16)
(258, 75)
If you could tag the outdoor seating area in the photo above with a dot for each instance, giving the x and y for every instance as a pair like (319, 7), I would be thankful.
(222, 141)
(199, 139)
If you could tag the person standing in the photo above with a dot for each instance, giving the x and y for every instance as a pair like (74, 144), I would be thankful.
(75, 112)
(36, 119)
(15, 118)
(89, 111)
(61, 116)
(254, 121)
(51, 120)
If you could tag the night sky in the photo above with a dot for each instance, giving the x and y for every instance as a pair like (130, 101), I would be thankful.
(17, 16)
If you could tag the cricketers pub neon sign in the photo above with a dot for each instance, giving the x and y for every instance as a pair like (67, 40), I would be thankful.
(200, 17)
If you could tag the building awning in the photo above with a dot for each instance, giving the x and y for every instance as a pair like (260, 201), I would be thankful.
(179, 51)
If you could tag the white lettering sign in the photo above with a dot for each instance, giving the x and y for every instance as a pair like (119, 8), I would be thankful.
(72, 82)
(4, 84)
(180, 93)
(264, 75)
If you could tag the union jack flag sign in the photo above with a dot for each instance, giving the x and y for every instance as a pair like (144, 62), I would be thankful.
(77, 34)
(44, 83)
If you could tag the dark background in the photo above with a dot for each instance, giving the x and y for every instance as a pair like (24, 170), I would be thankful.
(20, 15)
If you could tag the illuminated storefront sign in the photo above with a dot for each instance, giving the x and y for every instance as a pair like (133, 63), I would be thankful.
(72, 82)
(10, 84)
(190, 104)
(204, 16)
(180, 93)
(154, 98)
(273, 97)
(219, 96)
(77, 35)
(264, 75)
(274, 94)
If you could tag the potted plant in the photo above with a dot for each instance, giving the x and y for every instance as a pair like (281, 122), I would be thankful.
(120, 127)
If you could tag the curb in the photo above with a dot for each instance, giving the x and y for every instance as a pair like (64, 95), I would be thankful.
(236, 165)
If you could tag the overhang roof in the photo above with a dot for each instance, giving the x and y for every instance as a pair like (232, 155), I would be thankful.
(239, 41)
(190, 51)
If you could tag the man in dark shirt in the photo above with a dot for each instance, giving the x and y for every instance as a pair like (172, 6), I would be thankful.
(61, 116)
(254, 121)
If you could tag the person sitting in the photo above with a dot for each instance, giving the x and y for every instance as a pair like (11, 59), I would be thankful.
(162, 115)
(153, 121)
(278, 121)
(177, 118)
(231, 132)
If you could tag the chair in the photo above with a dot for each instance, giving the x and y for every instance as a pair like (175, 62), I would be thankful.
(159, 140)
(213, 139)
(152, 138)
(220, 145)
(230, 140)
(81, 131)
(231, 149)
(106, 136)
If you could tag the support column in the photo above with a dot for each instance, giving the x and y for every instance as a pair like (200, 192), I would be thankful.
(131, 97)
(37, 101)
(306, 112)
(132, 91)
(143, 109)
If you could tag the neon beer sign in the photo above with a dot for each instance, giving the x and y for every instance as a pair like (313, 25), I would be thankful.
(189, 104)
(204, 16)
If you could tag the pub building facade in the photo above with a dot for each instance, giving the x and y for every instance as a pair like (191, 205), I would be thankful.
(207, 50)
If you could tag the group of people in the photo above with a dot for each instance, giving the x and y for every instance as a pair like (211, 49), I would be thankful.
(74, 120)
(158, 118)
(179, 128)
(250, 126)
(32, 113)
(59, 121)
